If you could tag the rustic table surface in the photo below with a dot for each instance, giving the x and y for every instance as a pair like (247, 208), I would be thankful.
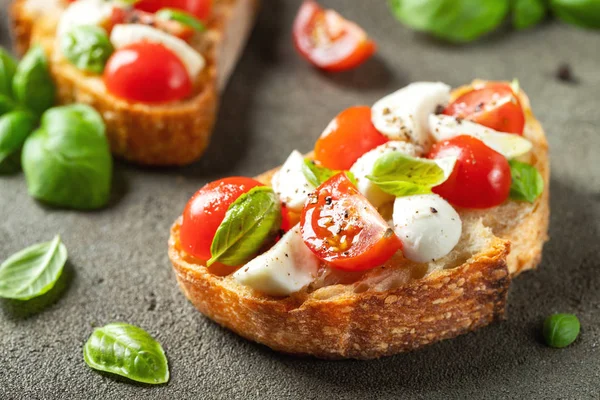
(119, 270)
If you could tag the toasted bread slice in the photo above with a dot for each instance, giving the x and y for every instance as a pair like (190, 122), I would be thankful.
(398, 307)
(171, 134)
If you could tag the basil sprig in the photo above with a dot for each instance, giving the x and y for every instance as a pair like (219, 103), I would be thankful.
(527, 13)
(401, 175)
(87, 47)
(128, 351)
(316, 175)
(560, 330)
(527, 182)
(252, 220)
(32, 271)
(8, 67)
(187, 19)
(15, 127)
(32, 84)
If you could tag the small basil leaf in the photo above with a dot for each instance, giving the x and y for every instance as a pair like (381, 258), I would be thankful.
(560, 330)
(32, 271)
(15, 127)
(87, 47)
(67, 162)
(32, 84)
(317, 175)
(452, 20)
(527, 13)
(7, 104)
(8, 67)
(182, 17)
(252, 220)
(584, 13)
(128, 351)
(527, 183)
(401, 175)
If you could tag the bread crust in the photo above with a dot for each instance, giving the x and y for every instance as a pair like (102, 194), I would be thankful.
(159, 135)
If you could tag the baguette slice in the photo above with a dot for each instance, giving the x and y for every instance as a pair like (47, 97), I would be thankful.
(398, 307)
(171, 134)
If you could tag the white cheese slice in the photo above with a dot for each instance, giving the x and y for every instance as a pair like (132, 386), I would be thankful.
(403, 115)
(291, 184)
(83, 12)
(284, 269)
(444, 127)
(427, 225)
(125, 34)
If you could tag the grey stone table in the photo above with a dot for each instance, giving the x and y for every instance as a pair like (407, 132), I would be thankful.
(119, 270)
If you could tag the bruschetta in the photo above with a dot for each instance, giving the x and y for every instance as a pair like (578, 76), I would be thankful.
(404, 227)
(105, 53)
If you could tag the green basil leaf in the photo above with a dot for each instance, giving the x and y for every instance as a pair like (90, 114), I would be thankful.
(560, 330)
(584, 13)
(527, 13)
(182, 17)
(67, 162)
(452, 20)
(401, 175)
(252, 220)
(8, 67)
(32, 271)
(128, 351)
(32, 84)
(527, 183)
(15, 127)
(317, 175)
(87, 47)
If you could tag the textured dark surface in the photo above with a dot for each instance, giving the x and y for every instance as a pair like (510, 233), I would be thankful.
(119, 270)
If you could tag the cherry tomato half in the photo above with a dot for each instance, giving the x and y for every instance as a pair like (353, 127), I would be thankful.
(343, 229)
(147, 72)
(481, 177)
(494, 105)
(350, 135)
(199, 8)
(328, 41)
(206, 210)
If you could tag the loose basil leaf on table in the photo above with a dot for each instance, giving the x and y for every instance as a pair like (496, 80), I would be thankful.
(15, 127)
(251, 221)
(8, 67)
(182, 17)
(33, 271)
(584, 13)
(87, 47)
(527, 13)
(560, 330)
(452, 20)
(401, 175)
(32, 84)
(316, 175)
(527, 183)
(128, 351)
(67, 161)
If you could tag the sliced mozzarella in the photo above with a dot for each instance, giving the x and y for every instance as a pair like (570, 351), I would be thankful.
(84, 12)
(123, 35)
(364, 166)
(444, 127)
(284, 269)
(291, 184)
(403, 115)
(427, 225)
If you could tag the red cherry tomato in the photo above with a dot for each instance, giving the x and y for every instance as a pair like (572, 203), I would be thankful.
(147, 72)
(328, 41)
(343, 229)
(350, 135)
(206, 210)
(481, 177)
(494, 105)
(199, 8)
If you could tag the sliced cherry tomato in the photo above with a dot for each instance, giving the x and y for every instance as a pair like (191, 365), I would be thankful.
(343, 229)
(494, 105)
(481, 177)
(147, 72)
(329, 41)
(199, 8)
(206, 210)
(350, 135)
